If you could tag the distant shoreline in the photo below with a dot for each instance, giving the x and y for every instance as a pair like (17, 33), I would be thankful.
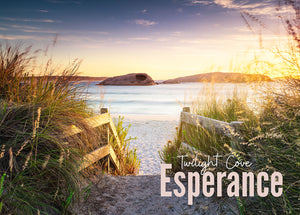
(213, 77)
(143, 79)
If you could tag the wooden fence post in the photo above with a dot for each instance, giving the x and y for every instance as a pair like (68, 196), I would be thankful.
(103, 110)
(231, 130)
(187, 110)
(237, 127)
(104, 119)
(108, 161)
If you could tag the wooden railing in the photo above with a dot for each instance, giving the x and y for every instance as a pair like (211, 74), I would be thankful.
(223, 128)
(106, 150)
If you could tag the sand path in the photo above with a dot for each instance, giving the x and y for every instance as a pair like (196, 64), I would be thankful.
(133, 195)
(152, 134)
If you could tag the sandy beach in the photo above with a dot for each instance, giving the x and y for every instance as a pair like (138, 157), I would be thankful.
(135, 195)
(141, 194)
(152, 132)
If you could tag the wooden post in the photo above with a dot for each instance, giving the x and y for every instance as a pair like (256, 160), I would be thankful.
(108, 165)
(237, 125)
(104, 119)
(108, 143)
(184, 109)
(103, 110)
(107, 132)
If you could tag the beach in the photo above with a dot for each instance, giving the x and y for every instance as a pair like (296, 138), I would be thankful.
(141, 194)
(134, 195)
(152, 132)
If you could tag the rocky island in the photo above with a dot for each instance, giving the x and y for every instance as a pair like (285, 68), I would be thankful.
(219, 77)
(132, 79)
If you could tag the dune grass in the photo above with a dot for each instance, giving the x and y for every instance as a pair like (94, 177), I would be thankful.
(277, 146)
(229, 109)
(38, 166)
(128, 157)
(269, 139)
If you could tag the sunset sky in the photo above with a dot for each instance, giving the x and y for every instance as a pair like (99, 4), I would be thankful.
(164, 38)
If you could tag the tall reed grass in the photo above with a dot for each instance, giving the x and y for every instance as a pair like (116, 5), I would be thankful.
(129, 162)
(38, 165)
(208, 143)
(269, 139)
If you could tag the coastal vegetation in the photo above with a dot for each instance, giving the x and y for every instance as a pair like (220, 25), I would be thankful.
(38, 165)
(269, 137)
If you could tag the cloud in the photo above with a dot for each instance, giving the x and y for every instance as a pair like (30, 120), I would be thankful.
(202, 2)
(232, 4)
(30, 29)
(68, 38)
(23, 37)
(140, 38)
(27, 29)
(268, 7)
(226, 3)
(30, 20)
(42, 11)
(144, 22)
(23, 26)
(144, 11)
(235, 4)
(39, 31)
(254, 7)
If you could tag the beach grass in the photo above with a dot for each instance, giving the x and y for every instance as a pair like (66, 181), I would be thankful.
(38, 164)
(231, 108)
(128, 157)
(269, 139)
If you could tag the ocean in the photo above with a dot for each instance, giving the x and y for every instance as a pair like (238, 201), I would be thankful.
(162, 99)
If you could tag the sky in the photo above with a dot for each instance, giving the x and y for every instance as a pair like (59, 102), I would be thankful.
(164, 38)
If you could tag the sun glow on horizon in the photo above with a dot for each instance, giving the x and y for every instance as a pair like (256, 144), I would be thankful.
(156, 38)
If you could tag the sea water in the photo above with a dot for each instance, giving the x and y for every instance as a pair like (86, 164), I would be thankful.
(161, 99)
